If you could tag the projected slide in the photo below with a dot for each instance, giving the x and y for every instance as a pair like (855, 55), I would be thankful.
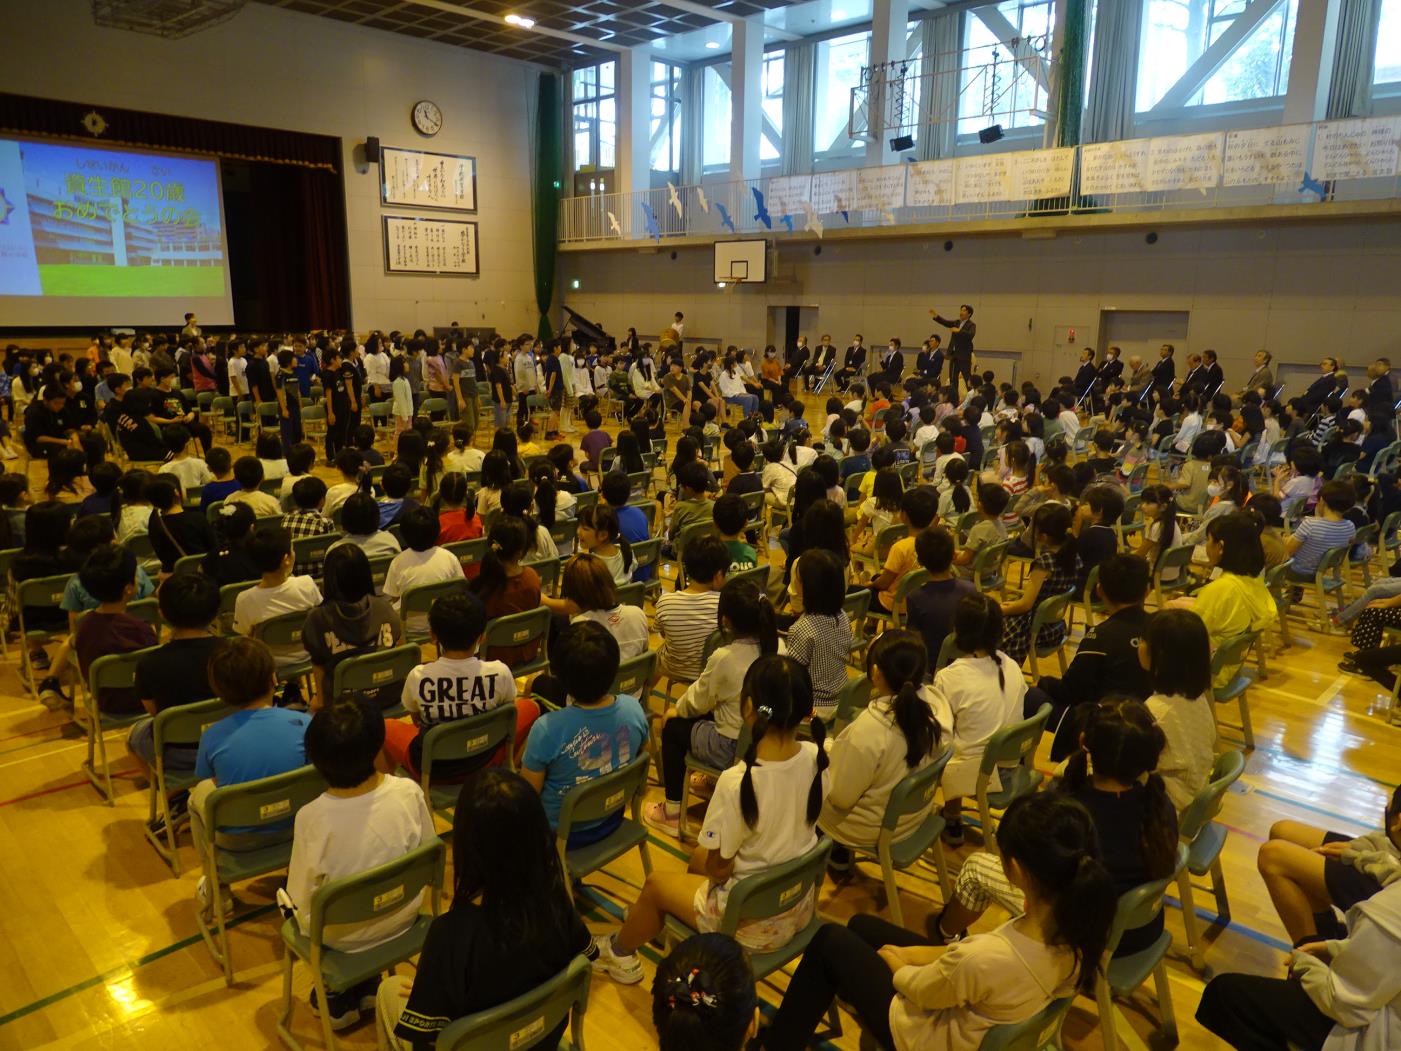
(95, 237)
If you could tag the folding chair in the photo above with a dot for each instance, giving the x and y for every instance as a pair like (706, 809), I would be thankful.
(264, 811)
(563, 533)
(461, 740)
(585, 499)
(855, 695)
(758, 576)
(857, 606)
(600, 798)
(468, 552)
(1282, 588)
(548, 570)
(989, 567)
(521, 629)
(948, 653)
(1205, 840)
(226, 418)
(636, 675)
(518, 1022)
(269, 417)
(360, 898)
(695, 766)
(1365, 539)
(45, 593)
(1230, 657)
(372, 672)
(649, 553)
(7, 559)
(1122, 976)
(1329, 577)
(687, 534)
(284, 631)
(911, 581)
(379, 568)
(381, 418)
(311, 550)
(1040, 1032)
(634, 594)
(648, 508)
(419, 600)
(436, 409)
(1179, 558)
(188, 564)
(228, 600)
(183, 725)
(1090, 604)
(912, 795)
(885, 540)
(1011, 752)
(116, 671)
(1048, 612)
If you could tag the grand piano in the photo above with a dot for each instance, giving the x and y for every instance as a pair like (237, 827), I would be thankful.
(584, 332)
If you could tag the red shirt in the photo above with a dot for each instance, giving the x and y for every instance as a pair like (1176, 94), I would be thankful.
(454, 525)
(520, 594)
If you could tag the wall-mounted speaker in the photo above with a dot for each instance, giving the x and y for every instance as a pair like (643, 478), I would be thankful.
(372, 150)
(948, 246)
(1152, 238)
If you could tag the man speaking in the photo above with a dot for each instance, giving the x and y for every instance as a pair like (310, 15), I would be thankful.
(960, 345)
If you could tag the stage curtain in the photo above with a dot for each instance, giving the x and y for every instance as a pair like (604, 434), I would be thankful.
(549, 153)
(1069, 81)
(23, 114)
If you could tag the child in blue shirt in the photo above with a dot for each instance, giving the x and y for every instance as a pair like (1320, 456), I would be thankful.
(598, 733)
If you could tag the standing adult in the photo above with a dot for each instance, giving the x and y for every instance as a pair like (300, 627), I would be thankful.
(1194, 380)
(960, 345)
(1086, 375)
(853, 362)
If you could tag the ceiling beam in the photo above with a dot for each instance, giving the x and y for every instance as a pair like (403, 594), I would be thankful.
(482, 16)
(1216, 56)
(724, 16)
(1014, 42)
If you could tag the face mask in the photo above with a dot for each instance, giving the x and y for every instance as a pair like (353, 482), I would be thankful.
(1214, 489)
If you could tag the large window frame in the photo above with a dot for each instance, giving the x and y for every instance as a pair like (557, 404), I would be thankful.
(1386, 72)
(666, 124)
(1013, 91)
(840, 60)
(594, 109)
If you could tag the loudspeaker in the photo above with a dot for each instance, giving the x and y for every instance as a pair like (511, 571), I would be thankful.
(991, 134)
(372, 150)
(901, 143)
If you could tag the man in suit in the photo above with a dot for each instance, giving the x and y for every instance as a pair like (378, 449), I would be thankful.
(822, 359)
(797, 360)
(960, 345)
(1262, 378)
(1321, 389)
(1140, 377)
(1194, 381)
(1086, 375)
(1214, 376)
(1164, 371)
(1381, 401)
(892, 366)
(1111, 370)
(929, 362)
(853, 362)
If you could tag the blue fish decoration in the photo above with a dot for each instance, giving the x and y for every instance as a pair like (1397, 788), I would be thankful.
(762, 212)
(725, 219)
(787, 221)
(1310, 184)
(654, 228)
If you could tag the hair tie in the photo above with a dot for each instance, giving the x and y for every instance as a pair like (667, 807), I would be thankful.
(765, 710)
(228, 509)
(691, 989)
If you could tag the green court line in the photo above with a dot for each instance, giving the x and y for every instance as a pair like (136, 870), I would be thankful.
(105, 976)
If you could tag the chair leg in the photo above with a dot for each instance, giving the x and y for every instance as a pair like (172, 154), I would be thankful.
(1218, 887)
(892, 891)
(1060, 656)
(284, 1020)
(326, 1031)
(1247, 731)
(1108, 1017)
(1164, 988)
(945, 883)
(1190, 920)
(646, 858)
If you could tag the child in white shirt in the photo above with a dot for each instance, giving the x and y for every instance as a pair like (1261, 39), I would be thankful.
(190, 469)
(422, 562)
(279, 592)
(300, 460)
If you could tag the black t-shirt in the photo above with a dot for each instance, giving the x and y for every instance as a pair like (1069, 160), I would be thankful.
(350, 378)
(41, 421)
(178, 672)
(1096, 543)
(230, 567)
(172, 404)
(338, 385)
(500, 378)
(463, 970)
(259, 377)
(175, 536)
(553, 377)
(929, 610)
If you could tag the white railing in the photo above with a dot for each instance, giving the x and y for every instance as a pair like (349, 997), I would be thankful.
(1351, 160)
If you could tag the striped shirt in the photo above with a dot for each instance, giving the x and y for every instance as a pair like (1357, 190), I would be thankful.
(1316, 536)
(685, 620)
(821, 644)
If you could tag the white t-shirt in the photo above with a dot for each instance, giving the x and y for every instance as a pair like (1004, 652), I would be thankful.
(1069, 423)
(977, 708)
(259, 603)
(238, 376)
(377, 369)
(337, 495)
(134, 521)
(336, 836)
(191, 471)
(284, 495)
(445, 690)
(782, 832)
(626, 623)
(410, 569)
(464, 460)
(1190, 728)
(274, 470)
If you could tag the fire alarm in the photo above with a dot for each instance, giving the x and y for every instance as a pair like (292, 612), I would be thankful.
(1070, 336)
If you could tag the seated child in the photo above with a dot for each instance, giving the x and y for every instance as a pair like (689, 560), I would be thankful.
(365, 446)
(360, 520)
(917, 513)
(309, 495)
(731, 517)
(423, 562)
(820, 638)
(223, 484)
(398, 482)
(183, 461)
(694, 504)
(249, 472)
(349, 463)
(929, 608)
(505, 586)
(301, 458)
(277, 593)
(109, 576)
(685, 618)
(175, 532)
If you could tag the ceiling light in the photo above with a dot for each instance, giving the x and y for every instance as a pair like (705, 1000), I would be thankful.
(520, 20)
(712, 45)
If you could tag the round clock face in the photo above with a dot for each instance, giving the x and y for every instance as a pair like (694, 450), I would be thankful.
(427, 117)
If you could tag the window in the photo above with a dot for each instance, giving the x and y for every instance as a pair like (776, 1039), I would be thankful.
(1005, 66)
(595, 116)
(839, 65)
(1388, 63)
(1176, 34)
(715, 117)
(666, 118)
(771, 142)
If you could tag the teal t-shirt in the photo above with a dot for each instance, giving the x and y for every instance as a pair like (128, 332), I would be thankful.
(575, 745)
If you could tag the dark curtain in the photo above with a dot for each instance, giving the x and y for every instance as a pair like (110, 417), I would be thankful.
(549, 161)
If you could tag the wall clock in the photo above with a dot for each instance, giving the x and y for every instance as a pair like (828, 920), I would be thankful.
(427, 117)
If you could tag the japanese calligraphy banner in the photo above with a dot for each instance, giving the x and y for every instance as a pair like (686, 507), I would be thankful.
(1356, 149)
(415, 245)
(96, 236)
(1263, 156)
(419, 179)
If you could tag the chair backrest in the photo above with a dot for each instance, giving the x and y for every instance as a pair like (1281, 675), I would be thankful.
(548, 570)
(147, 609)
(1230, 655)
(1207, 803)
(759, 576)
(518, 629)
(374, 671)
(634, 594)
(914, 793)
(188, 563)
(646, 552)
(367, 895)
(468, 552)
(42, 591)
(853, 486)
(695, 529)
(563, 533)
(886, 538)
(856, 605)
(420, 599)
(461, 739)
(754, 503)
(911, 581)
(852, 698)
(603, 796)
(282, 630)
(987, 562)
(1332, 561)
(186, 723)
(1015, 743)
(1389, 526)
(379, 567)
(1179, 557)
(1050, 610)
(1138, 907)
(649, 509)
(308, 549)
(776, 890)
(948, 653)
(523, 1021)
(263, 803)
(636, 674)
(1035, 1034)
(115, 671)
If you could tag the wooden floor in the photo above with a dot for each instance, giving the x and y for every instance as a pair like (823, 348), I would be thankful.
(101, 948)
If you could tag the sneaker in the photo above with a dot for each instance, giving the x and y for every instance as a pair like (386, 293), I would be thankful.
(344, 1009)
(953, 834)
(206, 904)
(626, 970)
(655, 814)
(52, 697)
(1350, 666)
(39, 660)
(702, 785)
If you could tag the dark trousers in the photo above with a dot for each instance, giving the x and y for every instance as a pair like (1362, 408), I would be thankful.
(843, 377)
(290, 428)
(840, 962)
(1379, 662)
(1253, 1013)
(676, 743)
(960, 367)
(1068, 714)
(338, 434)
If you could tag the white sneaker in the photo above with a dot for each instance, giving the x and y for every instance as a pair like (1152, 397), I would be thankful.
(626, 970)
(206, 903)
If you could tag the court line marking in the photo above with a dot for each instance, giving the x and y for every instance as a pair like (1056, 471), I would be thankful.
(44, 792)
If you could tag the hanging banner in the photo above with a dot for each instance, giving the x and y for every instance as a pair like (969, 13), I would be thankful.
(879, 189)
(930, 184)
(1114, 167)
(786, 193)
(832, 191)
(1265, 156)
(1042, 173)
(1184, 162)
(984, 178)
(1356, 149)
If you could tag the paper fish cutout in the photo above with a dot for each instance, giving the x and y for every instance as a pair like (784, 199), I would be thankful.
(841, 207)
(761, 213)
(675, 199)
(725, 219)
(787, 220)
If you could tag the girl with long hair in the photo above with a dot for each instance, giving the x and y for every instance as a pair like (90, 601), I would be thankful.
(1160, 532)
(703, 996)
(351, 621)
(496, 478)
(600, 535)
(955, 499)
(456, 506)
(505, 586)
(227, 559)
(68, 477)
(526, 501)
(504, 441)
(1055, 569)
(1176, 653)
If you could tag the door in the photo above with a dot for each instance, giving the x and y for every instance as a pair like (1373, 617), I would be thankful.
(1142, 332)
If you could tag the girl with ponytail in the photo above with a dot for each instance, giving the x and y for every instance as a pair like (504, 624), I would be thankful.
(950, 998)
(518, 500)
(763, 813)
(703, 997)
(1112, 777)
(706, 721)
(505, 586)
(897, 733)
(1055, 569)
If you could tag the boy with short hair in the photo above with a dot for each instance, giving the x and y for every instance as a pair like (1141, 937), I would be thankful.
(988, 529)
(307, 520)
(363, 820)
(731, 515)
(422, 562)
(1094, 527)
(457, 685)
(14, 502)
(1327, 529)
(598, 733)
(349, 463)
(248, 470)
(183, 463)
(895, 431)
(694, 505)
(223, 483)
(177, 672)
(745, 478)
(944, 455)
(686, 618)
(360, 520)
(918, 509)
(109, 576)
(616, 490)
(278, 592)
(595, 440)
(929, 609)
(397, 481)
(301, 458)
(859, 459)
